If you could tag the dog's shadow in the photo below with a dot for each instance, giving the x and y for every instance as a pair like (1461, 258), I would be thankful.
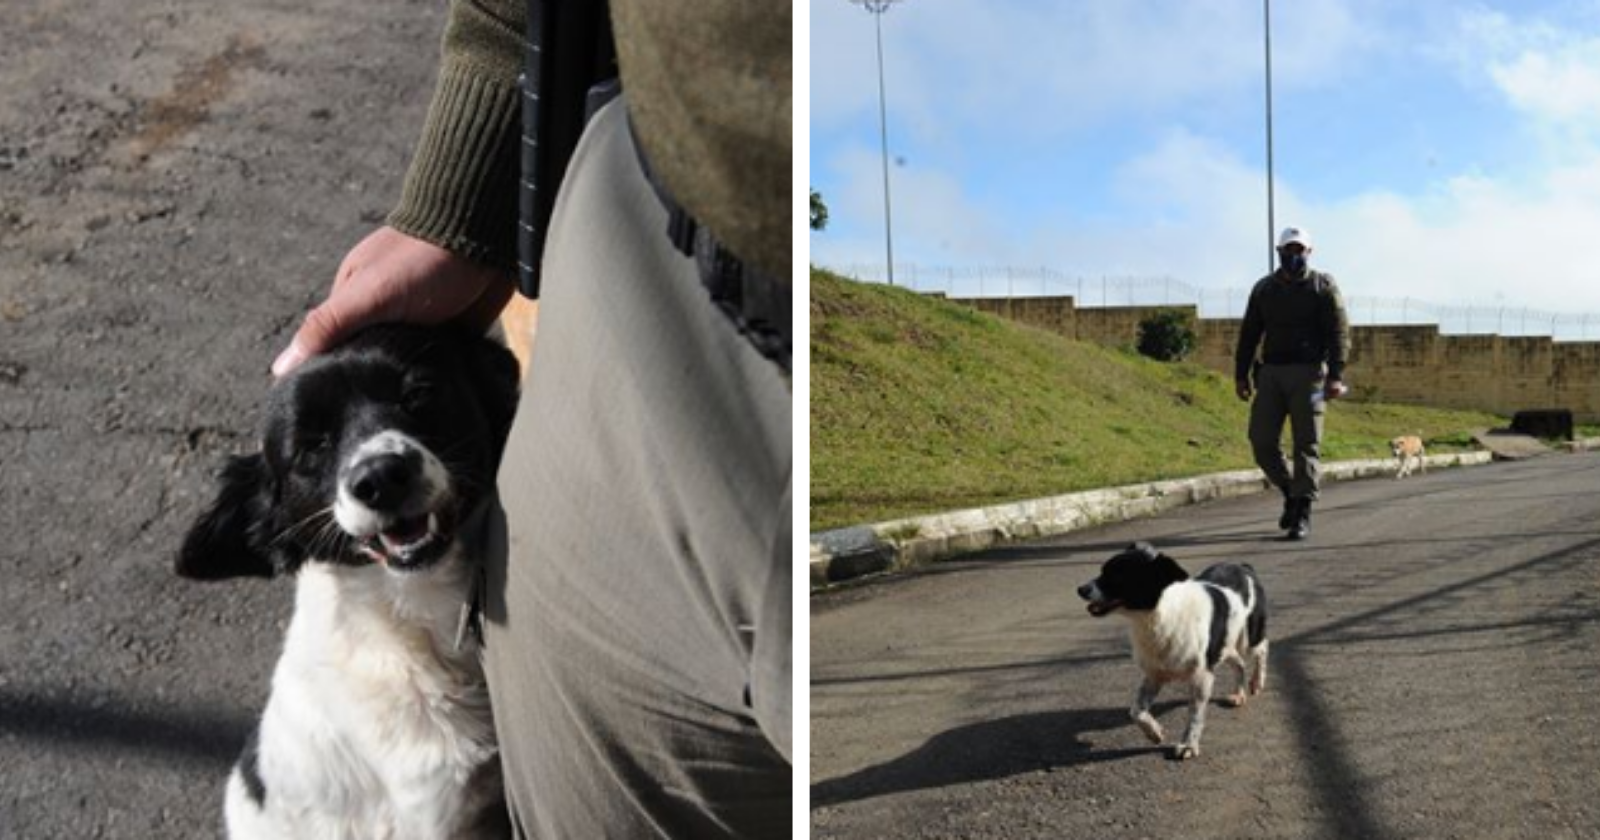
(994, 749)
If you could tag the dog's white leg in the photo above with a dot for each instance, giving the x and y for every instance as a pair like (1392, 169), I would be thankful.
(1142, 701)
(1239, 697)
(1258, 675)
(1199, 698)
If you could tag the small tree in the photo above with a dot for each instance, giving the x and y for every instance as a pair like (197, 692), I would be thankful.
(819, 211)
(1166, 336)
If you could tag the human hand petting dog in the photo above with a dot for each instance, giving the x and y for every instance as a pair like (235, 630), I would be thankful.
(392, 277)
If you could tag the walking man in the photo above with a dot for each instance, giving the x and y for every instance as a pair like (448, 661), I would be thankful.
(1300, 315)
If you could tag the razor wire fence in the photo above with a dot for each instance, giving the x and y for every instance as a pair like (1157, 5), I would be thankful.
(1223, 302)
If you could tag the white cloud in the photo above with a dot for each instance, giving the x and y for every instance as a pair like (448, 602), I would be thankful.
(935, 218)
(1471, 240)
(1549, 72)
(960, 66)
(1563, 87)
(1474, 237)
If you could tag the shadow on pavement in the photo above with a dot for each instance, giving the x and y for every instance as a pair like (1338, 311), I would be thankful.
(209, 737)
(1338, 783)
(1050, 664)
(993, 749)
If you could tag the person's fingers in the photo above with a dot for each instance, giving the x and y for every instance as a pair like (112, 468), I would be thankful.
(390, 276)
(323, 329)
(317, 333)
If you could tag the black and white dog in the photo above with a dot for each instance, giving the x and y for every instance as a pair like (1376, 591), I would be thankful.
(376, 464)
(1183, 629)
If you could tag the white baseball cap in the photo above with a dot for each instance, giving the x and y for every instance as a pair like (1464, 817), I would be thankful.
(1297, 235)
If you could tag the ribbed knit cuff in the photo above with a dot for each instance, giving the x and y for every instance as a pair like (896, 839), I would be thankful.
(461, 190)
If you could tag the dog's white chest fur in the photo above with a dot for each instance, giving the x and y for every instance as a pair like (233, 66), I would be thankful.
(1169, 642)
(376, 723)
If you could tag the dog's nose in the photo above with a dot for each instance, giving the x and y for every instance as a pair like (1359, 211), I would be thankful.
(1085, 592)
(385, 481)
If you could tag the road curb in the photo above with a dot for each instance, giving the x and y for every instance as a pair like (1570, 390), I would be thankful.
(895, 546)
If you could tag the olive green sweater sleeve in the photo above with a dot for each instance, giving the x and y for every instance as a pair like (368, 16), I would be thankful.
(461, 189)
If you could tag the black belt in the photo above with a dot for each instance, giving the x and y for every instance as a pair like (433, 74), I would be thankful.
(759, 305)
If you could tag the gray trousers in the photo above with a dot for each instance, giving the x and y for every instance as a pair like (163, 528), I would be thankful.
(637, 619)
(1293, 392)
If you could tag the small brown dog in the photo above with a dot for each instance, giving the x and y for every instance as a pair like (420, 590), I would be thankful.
(1408, 449)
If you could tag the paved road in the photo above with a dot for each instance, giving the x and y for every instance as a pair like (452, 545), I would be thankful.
(178, 180)
(1435, 658)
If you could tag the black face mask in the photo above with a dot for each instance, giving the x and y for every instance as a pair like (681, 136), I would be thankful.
(1294, 263)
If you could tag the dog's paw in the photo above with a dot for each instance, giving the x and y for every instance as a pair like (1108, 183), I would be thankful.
(1236, 700)
(1184, 752)
(1151, 729)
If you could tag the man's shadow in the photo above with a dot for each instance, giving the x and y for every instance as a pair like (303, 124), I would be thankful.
(986, 751)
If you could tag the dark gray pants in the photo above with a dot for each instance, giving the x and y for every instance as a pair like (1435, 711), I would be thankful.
(1293, 392)
(637, 627)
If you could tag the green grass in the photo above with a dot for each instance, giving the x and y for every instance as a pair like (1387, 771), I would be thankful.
(919, 406)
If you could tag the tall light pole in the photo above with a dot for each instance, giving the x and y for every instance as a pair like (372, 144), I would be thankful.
(877, 8)
(1266, 20)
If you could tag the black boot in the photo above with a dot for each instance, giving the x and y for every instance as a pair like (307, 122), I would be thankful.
(1290, 512)
(1302, 520)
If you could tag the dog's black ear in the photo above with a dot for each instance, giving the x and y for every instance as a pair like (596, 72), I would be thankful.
(1169, 568)
(496, 378)
(224, 541)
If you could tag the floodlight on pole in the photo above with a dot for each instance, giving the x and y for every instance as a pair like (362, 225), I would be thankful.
(877, 8)
(1266, 21)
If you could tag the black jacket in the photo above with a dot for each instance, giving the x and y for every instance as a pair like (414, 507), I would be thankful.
(1303, 320)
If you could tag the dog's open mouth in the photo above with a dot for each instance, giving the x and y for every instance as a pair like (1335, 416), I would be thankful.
(1100, 608)
(408, 542)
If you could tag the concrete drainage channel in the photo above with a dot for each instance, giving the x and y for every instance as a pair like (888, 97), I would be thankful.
(887, 547)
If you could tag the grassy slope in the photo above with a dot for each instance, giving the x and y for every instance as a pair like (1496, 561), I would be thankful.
(919, 406)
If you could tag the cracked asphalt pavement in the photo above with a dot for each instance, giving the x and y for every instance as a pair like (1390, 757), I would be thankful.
(178, 182)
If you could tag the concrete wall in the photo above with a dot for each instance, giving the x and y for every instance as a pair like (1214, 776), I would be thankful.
(1053, 314)
(1576, 378)
(1402, 364)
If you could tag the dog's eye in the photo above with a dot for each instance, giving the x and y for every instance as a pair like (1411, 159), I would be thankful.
(415, 397)
(308, 451)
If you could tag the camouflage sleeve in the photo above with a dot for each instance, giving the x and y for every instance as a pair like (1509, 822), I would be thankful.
(1249, 337)
(1337, 326)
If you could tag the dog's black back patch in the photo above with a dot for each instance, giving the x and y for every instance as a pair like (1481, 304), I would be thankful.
(1219, 626)
(1256, 624)
(1229, 576)
(250, 769)
(1241, 578)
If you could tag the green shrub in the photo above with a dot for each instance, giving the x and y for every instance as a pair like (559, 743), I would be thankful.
(1166, 336)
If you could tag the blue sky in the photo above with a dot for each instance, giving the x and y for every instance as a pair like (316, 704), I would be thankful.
(1444, 151)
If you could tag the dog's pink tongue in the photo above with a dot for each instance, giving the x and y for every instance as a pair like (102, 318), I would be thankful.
(405, 533)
